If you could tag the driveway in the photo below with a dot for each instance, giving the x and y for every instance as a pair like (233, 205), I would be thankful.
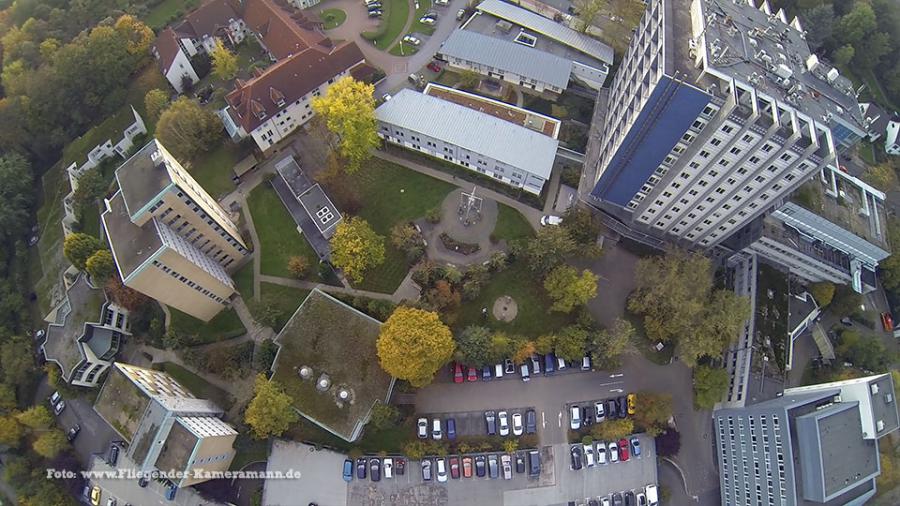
(319, 478)
(397, 68)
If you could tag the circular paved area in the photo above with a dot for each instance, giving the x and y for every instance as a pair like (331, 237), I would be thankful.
(505, 308)
(454, 224)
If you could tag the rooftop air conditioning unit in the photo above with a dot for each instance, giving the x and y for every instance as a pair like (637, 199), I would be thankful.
(874, 388)
(879, 425)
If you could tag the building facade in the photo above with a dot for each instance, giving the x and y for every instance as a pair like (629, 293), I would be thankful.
(169, 238)
(812, 445)
(716, 112)
(511, 153)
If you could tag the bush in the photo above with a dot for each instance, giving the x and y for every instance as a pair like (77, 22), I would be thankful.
(433, 215)
(298, 266)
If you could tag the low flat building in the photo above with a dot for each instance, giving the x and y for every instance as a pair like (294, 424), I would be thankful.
(170, 240)
(814, 445)
(319, 208)
(892, 136)
(166, 428)
(506, 150)
(86, 335)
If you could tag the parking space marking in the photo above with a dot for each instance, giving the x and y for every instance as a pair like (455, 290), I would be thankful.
(559, 419)
(543, 420)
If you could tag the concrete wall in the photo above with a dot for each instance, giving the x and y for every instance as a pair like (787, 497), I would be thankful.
(181, 66)
(212, 454)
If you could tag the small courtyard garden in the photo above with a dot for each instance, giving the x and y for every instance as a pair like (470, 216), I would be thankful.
(278, 235)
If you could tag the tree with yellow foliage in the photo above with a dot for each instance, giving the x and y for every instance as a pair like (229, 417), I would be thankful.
(348, 109)
(137, 35)
(224, 62)
(355, 248)
(414, 344)
(568, 289)
(270, 413)
(50, 443)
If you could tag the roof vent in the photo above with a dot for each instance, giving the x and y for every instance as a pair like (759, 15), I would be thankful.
(305, 372)
(874, 388)
(323, 383)
(879, 425)
(888, 398)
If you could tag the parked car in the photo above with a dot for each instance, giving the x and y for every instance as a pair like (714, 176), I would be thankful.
(451, 429)
(441, 2)
(587, 416)
(535, 364)
(623, 449)
(520, 463)
(504, 423)
(457, 369)
(549, 364)
(641, 499)
(460, 13)
(348, 470)
(498, 371)
(517, 427)
(652, 495)
(629, 498)
(171, 490)
(385, 98)
(425, 20)
(55, 398)
(604, 501)
(534, 463)
(441, 469)
(623, 407)
(375, 14)
(113, 455)
(486, 373)
(110, 501)
(631, 402)
(575, 418)
(388, 467)
(523, 370)
(426, 469)
(506, 464)
(509, 366)
(375, 469)
(601, 453)
(586, 363)
(617, 499)
(400, 464)
(422, 428)
(59, 407)
(409, 39)
(530, 421)
(72, 433)
(491, 422)
(550, 220)
(454, 467)
(612, 409)
(95, 495)
(374, 6)
(361, 466)
(436, 431)
(480, 466)
(472, 374)
(467, 467)
(613, 452)
(589, 455)
(599, 411)
(635, 446)
(493, 466)
(576, 456)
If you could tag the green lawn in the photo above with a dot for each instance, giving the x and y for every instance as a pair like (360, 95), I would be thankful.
(248, 450)
(391, 194)
(525, 287)
(159, 16)
(284, 299)
(243, 281)
(866, 152)
(333, 18)
(395, 14)
(278, 235)
(225, 325)
(406, 50)
(90, 220)
(197, 385)
(511, 224)
(213, 169)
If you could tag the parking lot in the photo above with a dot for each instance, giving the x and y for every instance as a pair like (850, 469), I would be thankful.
(472, 423)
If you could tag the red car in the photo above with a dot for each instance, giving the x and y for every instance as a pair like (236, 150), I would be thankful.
(473, 374)
(454, 467)
(887, 322)
(434, 67)
(623, 450)
(457, 374)
(467, 467)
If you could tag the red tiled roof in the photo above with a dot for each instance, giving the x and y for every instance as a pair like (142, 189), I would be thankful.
(289, 80)
(167, 48)
(282, 35)
(208, 18)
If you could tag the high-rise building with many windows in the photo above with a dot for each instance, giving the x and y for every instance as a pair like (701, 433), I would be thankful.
(717, 111)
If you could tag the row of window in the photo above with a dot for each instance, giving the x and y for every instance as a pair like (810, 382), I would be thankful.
(175, 274)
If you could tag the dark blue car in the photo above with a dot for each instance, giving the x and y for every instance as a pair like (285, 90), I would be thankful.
(549, 364)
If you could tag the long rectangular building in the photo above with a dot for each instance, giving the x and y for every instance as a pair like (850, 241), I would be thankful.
(515, 154)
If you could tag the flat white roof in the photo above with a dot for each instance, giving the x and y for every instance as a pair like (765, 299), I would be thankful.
(475, 131)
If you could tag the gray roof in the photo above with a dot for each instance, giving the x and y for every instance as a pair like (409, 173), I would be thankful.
(142, 177)
(508, 56)
(469, 129)
(548, 28)
(131, 245)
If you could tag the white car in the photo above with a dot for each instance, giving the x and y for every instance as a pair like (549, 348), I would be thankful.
(60, 406)
(386, 97)
(604, 501)
(506, 464)
(387, 467)
(504, 423)
(599, 412)
(613, 452)
(517, 427)
(589, 455)
(436, 431)
(575, 422)
(409, 39)
(55, 398)
(441, 2)
(427, 20)
(550, 220)
(422, 428)
(441, 469)
(460, 13)
(601, 453)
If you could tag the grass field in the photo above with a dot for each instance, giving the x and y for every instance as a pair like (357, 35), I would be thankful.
(159, 16)
(406, 50)
(511, 225)
(424, 7)
(392, 194)
(213, 169)
(525, 287)
(225, 325)
(278, 235)
(243, 281)
(285, 299)
(47, 261)
(197, 385)
(333, 18)
(395, 14)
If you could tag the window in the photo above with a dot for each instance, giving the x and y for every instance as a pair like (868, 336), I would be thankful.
(727, 129)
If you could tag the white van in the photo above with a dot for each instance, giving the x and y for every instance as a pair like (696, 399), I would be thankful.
(498, 371)
(652, 495)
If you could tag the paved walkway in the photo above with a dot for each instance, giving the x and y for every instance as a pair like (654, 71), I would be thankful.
(451, 224)
(402, 293)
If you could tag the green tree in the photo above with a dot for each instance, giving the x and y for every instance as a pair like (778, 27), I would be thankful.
(186, 129)
(822, 292)
(608, 345)
(548, 249)
(155, 102)
(567, 289)
(718, 325)
(224, 62)
(882, 176)
(16, 197)
(384, 416)
(91, 187)
(843, 55)
(348, 108)
(503, 346)
(100, 266)
(582, 225)
(845, 301)
(16, 362)
(49, 444)
(78, 247)
(854, 26)
(874, 47)
(544, 344)
(819, 24)
(7, 398)
(473, 346)
(587, 12)
(11, 432)
(889, 268)
(36, 417)
(571, 342)
(270, 412)
(405, 237)
(652, 411)
(414, 344)
(612, 430)
(710, 384)
(469, 79)
(356, 248)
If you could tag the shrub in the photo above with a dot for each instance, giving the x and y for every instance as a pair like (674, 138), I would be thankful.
(298, 266)
(433, 215)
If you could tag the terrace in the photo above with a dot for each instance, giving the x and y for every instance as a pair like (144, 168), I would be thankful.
(515, 115)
